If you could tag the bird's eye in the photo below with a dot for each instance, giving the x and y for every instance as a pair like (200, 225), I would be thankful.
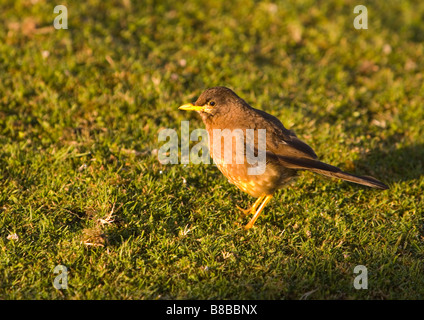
(212, 103)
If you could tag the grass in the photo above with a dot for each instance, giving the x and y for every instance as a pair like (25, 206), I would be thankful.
(81, 185)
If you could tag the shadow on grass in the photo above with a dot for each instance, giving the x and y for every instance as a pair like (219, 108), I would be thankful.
(394, 165)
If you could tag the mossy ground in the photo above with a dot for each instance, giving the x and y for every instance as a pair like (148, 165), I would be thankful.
(81, 185)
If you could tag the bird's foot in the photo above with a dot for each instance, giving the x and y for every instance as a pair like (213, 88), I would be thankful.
(245, 211)
(248, 226)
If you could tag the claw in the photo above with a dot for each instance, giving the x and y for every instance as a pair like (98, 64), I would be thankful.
(245, 211)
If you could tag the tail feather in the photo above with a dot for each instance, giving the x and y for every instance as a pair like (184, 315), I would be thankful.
(330, 171)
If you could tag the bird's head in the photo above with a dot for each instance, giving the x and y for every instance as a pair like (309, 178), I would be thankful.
(215, 103)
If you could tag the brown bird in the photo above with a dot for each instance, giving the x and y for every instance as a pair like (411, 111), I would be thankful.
(283, 152)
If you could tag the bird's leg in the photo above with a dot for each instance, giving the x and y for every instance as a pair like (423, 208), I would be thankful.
(257, 203)
(253, 208)
(258, 212)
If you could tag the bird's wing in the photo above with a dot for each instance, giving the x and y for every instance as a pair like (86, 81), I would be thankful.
(280, 140)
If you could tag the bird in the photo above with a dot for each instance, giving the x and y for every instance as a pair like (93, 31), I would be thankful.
(285, 154)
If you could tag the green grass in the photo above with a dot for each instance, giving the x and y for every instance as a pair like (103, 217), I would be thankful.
(81, 185)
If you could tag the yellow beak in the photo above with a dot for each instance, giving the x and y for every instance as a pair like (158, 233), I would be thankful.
(190, 106)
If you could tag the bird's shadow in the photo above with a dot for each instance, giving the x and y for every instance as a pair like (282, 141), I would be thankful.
(393, 164)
